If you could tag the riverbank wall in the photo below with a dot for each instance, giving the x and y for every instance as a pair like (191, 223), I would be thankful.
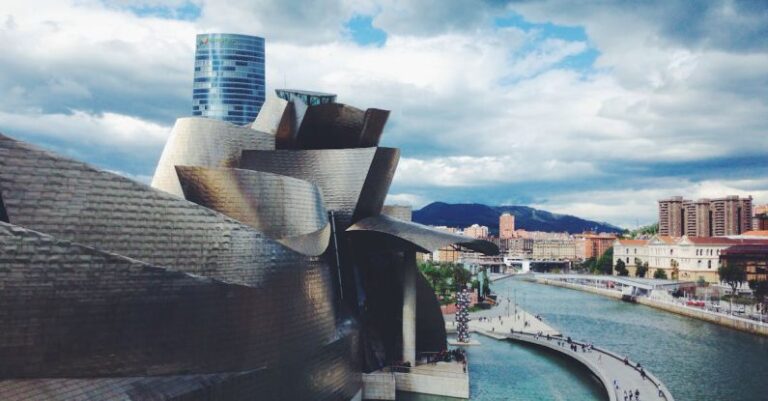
(723, 320)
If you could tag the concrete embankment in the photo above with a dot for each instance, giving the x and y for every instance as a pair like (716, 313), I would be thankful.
(723, 320)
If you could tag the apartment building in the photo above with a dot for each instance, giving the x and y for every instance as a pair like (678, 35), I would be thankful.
(730, 215)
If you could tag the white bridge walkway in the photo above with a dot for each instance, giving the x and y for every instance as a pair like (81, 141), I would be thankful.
(616, 375)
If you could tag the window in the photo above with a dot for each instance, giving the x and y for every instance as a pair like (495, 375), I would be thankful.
(709, 264)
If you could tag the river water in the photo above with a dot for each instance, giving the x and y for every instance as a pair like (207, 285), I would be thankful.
(696, 360)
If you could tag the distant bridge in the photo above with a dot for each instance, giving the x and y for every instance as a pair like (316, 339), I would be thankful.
(633, 285)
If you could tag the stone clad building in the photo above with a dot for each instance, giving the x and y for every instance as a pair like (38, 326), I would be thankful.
(627, 250)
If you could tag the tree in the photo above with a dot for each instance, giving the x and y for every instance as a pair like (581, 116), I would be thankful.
(589, 264)
(461, 276)
(675, 269)
(605, 262)
(660, 274)
(733, 275)
(431, 273)
(621, 268)
(641, 268)
(760, 291)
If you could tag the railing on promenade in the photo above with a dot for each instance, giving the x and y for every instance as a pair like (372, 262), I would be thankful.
(594, 284)
(543, 338)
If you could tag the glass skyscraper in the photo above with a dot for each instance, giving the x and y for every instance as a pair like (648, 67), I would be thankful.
(229, 77)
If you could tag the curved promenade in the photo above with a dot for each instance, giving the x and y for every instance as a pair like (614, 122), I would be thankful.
(607, 366)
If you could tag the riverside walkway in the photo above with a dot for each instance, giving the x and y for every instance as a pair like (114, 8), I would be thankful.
(611, 369)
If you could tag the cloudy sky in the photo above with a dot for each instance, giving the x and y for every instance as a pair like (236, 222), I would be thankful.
(596, 109)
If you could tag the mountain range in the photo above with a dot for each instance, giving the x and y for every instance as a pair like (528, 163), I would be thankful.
(527, 218)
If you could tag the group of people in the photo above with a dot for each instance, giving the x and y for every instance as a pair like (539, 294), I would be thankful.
(628, 395)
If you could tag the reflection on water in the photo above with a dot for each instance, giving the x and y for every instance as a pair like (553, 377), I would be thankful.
(695, 359)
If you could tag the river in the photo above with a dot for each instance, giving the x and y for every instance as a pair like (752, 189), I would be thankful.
(696, 360)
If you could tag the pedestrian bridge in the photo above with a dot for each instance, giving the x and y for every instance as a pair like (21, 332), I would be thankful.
(616, 375)
(636, 284)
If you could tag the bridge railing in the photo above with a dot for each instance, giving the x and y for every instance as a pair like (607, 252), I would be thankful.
(653, 379)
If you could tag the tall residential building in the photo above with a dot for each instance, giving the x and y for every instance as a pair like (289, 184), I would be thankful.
(506, 226)
(731, 215)
(229, 77)
(760, 220)
(705, 218)
(671, 216)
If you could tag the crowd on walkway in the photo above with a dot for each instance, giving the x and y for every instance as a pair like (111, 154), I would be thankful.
(629, 394)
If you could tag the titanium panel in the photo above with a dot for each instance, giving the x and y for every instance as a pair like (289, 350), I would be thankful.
(338, 126)
(403, 234)
(3, 214)
(279, 118)
(373, 126)
(82, 312)
(204, 142)
(377, 183)
(298, 336)
(75, 202)
(330, 126)
(277, 205)
(239, 386)
(339, 173)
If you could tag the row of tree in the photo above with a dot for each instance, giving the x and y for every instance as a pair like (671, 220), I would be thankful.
(641, 269)
(447, 278)
(731, 274)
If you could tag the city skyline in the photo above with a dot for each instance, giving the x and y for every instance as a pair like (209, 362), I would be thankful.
(592, 110)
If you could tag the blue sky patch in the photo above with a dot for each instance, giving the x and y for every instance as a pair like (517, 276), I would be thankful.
(362, 31)
(187, 12)
(582, 62)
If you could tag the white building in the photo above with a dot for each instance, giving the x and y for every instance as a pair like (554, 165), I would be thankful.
(694, 257)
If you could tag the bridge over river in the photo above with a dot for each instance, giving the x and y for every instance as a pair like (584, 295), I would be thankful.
(696, 360)
(617, 374)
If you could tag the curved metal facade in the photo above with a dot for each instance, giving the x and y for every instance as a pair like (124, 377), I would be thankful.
(205, 298)
(226, 281)
(404, 233)
(338, 126)
(206, 143)
(279, 206)
(339, 173)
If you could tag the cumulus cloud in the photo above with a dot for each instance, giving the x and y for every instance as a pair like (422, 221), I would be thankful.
(633, 207)
(481, 111)
(415, 201)
(466, 171)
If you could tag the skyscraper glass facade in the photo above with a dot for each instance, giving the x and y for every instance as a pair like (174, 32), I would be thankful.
(229, 77)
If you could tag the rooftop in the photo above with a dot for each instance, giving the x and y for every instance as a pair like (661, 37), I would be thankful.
(638, 242)
(306, 92)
